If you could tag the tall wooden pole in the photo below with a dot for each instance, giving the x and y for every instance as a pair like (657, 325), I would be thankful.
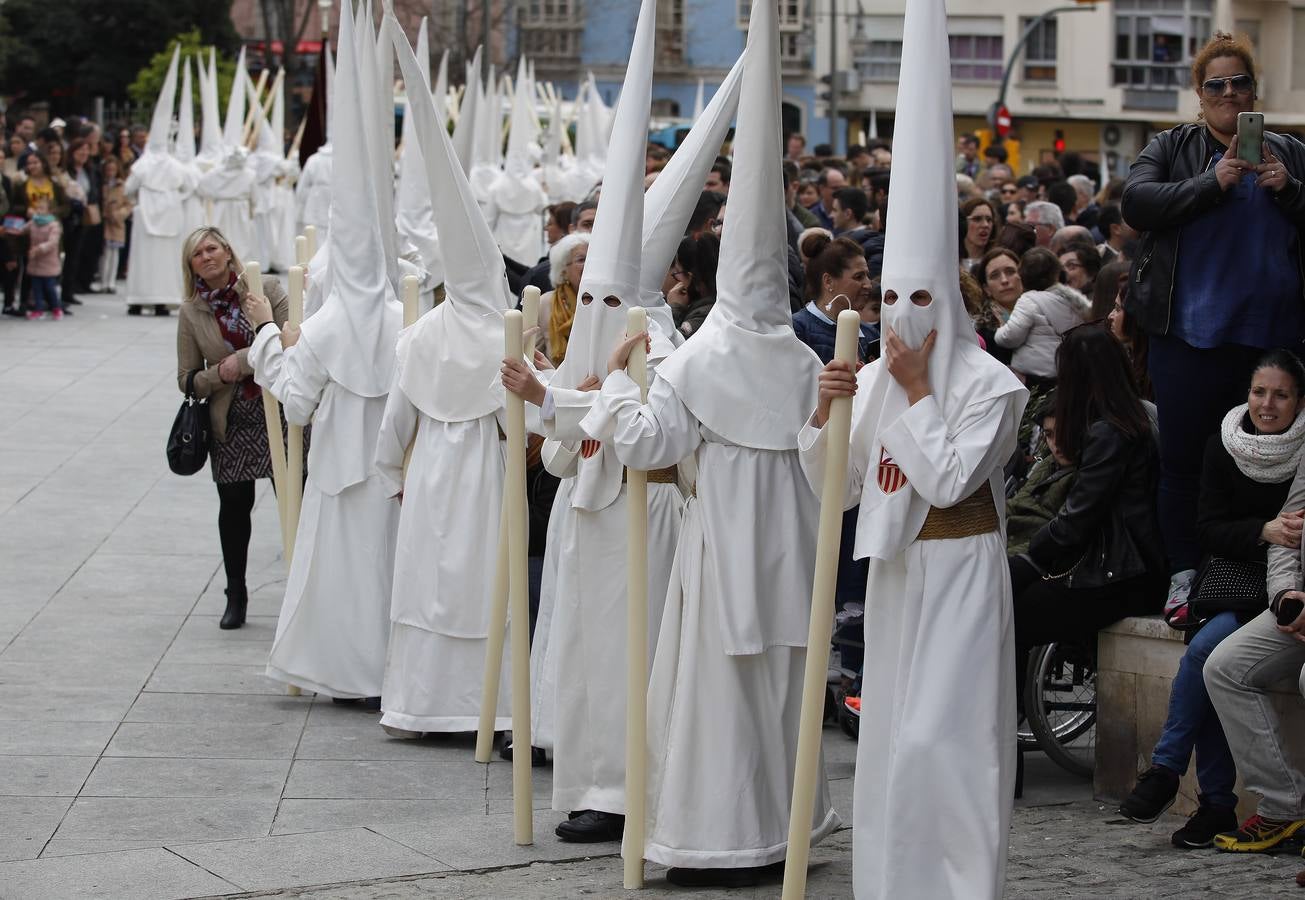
(636, 630)
(518, 593)
(294, 434)
(494, 646)
(272, 415)
(302, 256)
(807, 770)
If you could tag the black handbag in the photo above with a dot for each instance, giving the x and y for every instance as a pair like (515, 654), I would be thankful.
(1228, 585)
(188, 440)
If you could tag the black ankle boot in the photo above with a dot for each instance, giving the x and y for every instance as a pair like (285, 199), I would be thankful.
(237, 601)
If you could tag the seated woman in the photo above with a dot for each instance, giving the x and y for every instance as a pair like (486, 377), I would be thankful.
(694, 292)
(1247, 472)
(1043, 492)
(1099, 559)
(566, 263)
(1129, 333)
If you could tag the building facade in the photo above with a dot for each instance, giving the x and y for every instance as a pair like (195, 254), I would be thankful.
(1101, 78)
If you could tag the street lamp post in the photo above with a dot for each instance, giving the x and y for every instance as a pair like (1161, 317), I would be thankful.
(324, 14)
(1019, 46)
(833, 77)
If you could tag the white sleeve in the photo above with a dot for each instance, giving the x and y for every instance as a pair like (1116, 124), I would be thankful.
(813, 446)
(1016, 330)
(944, 467)
(294, 375)
(398, 428)
(563, 411)
(645, 436)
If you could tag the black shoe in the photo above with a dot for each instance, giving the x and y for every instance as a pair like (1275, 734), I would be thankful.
(729, 878)
(592, 827)
(368, 703)
(1204, 824)
(13, 311)
(237, 603)
(1154, 792)
(133, 309)
(161, 309)
(70, 300)
(537, 755)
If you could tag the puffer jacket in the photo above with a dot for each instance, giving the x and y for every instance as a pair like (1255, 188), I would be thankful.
(1171, 183)
(1035, 325)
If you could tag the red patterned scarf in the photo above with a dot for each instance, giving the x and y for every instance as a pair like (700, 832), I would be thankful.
(237, 333)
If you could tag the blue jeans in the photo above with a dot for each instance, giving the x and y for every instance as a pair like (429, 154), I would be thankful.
(45, 290)
(1193, 722)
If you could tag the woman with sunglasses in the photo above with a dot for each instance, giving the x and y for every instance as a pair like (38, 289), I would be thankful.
(1218, 274)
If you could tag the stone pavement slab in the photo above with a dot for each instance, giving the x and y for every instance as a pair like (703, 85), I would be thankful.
(153, 874)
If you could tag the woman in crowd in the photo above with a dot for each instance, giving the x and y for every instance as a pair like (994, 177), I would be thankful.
(998, 274)
(15, 148)
(694, 294)
(566, 263)
(1211, 305)
(837, 278)
(81, 184)
(1081, 263)
(81, 264)
(978, 230)
(116, 208)
(1099, 559)
(1110, 280)
(1135, 341)
(1247, 472)
(1046, 310)
(213, 340)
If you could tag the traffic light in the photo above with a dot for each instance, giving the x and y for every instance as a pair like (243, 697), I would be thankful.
(1058, 145)
(823, 91)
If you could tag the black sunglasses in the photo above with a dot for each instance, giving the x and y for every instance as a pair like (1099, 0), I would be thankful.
(1215, 87)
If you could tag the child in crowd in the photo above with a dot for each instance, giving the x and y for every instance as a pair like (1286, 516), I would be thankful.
(1045, 311)
(43, 265)
(116, 210)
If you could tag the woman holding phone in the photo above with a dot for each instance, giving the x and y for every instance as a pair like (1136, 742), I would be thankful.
(1218, 275)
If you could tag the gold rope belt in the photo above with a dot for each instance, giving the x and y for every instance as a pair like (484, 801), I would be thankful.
(669, 475)
(974, 515)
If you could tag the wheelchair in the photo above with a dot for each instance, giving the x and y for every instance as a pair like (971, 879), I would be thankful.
(1060, 705)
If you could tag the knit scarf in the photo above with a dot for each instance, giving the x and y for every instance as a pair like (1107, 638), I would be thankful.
(560, 317)
(237, 333)
(1266, 458)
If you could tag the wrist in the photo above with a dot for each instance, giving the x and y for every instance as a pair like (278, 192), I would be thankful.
(536, 393)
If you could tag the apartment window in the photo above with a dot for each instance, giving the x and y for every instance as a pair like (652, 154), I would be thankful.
(877, 53)
(791, 23)
(1155, 41)
(1039, 51)
(550, 12)
(1298, 49)
(551, 29)
(976, 48)
(670, 32)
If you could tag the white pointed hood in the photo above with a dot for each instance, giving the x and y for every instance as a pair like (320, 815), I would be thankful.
(380, 58)
(451, 356)
(920, 250)
(669, 203)
(515, 192)
(698, 100)
(745, 375)
(233, 127)
(612, 263)
(183, 147)
(278, 114)
(161, 121)
(210, 132)
(523, 133)
(464, 132)
(440, 93)
(354, 332)
(414, 214)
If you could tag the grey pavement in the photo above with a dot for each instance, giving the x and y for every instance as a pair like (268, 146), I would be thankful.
(143, 754)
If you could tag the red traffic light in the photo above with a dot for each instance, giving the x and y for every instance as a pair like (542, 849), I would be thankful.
(1058, 144)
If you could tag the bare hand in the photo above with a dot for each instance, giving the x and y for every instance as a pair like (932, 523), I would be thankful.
(542, 362)
(1297, 628)
(1230, 169)
(679, 295)
(1285, 530)
(229, 369)
(518, 379)
(1273, 174)
(909, 367)
(836, 380)
(289, 336)
(591, 383)
(621, 354)
(256, 308)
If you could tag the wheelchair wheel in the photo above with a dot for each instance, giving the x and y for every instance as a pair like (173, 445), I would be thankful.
(1060, 704)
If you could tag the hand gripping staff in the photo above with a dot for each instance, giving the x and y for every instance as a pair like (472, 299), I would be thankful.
(832, 494)
(636, 629)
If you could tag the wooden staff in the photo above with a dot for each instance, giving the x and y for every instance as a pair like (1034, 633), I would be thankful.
(494, 647)
(530, 318)
(518, 593)
(301, 251)
(636, 629)
(310, 232)
(254, 107)
(272, 414)
(293, 152)
(294, 435)
(833, 492)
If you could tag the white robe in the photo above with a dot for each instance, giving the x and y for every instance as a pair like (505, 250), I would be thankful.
(444, 566)
(587, 635)
(335, 619)
(722, 724)
(313, 193)
(936, 753)
(228, 194)
(157, 231)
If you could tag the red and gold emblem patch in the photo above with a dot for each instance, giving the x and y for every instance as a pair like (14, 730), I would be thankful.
(890, 475)
(589, 447)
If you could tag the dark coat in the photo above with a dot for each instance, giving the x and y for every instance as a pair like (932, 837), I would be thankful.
(1233, 508)
(1173, 182)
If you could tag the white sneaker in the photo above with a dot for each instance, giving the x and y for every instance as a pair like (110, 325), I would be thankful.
(1180, 585)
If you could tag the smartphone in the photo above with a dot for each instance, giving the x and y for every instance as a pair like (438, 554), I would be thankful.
(1289, 610)
(1250, 137)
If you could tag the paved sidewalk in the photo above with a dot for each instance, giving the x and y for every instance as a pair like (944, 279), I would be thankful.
(143, 754)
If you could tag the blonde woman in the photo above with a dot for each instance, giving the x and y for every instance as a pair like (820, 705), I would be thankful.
(213, 339)
(566, 263)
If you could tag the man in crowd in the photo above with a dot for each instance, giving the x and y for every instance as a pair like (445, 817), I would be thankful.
(797, 147)
(1046, 219)
(718, 179)
(831, 179)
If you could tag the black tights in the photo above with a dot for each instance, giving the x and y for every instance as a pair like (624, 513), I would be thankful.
(235, 505)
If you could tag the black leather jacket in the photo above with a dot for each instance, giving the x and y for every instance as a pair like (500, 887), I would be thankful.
(1106, 531)
(1173, 182)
